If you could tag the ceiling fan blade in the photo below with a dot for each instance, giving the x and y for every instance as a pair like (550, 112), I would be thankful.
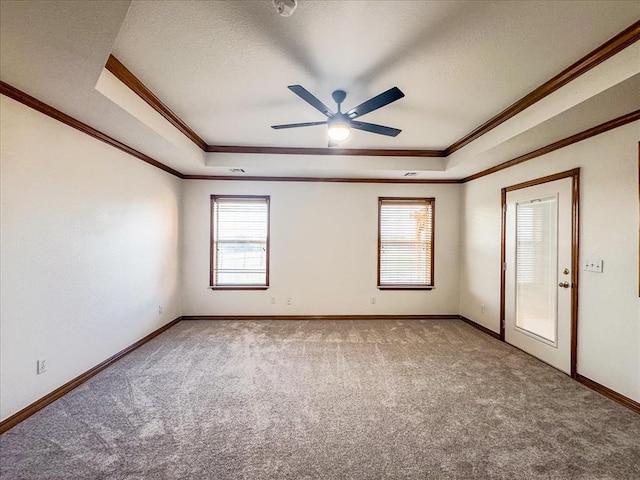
(385, 98)
(311, 99)
(374, 128)
(295, 125)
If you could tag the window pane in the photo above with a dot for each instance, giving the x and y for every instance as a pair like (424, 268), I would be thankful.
(241, 221)
(406, 233)
(241, 263)
(404, 263)
(536, 267)
(240, 250)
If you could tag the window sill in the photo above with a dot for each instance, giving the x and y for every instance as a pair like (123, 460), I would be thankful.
(406, 287)
(239, 287)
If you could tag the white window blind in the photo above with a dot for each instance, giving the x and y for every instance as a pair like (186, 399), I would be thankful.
(239, 241)
(405, 242)
(536, 267)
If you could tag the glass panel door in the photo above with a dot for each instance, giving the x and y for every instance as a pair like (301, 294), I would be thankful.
(538, 281)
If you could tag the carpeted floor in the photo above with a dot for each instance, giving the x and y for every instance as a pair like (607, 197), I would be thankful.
(326, 400)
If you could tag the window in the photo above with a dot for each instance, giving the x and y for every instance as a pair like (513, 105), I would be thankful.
(239, 242)
(535, 222)
(405, 243)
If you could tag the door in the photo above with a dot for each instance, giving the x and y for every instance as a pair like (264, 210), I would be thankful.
(538, 276)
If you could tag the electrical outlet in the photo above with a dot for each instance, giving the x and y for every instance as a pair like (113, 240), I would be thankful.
(482, 308)
(160, 310)
(288, 301)
(372, 300)
(273, 300)
(41, 366)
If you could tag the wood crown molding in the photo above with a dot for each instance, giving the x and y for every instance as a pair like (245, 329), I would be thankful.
(351, 152)
(322, 179)
(123, 74)
(627, 37)
(565, 142)
(29, 101)
(38, 405)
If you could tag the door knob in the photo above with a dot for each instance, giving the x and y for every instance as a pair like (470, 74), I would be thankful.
(564, 284)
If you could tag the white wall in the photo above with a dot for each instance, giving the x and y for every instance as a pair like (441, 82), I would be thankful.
(323, 251)
(89, 251)
(92, 240)
(609, 307)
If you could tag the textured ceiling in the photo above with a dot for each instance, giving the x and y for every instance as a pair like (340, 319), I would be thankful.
(223, 67)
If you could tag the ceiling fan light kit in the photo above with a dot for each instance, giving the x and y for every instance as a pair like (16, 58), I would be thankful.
(339, 129)
(340, 124)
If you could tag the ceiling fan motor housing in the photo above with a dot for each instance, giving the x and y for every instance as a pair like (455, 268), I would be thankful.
(339, 119)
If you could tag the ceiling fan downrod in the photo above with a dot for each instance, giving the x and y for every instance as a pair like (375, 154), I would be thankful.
(338, 97)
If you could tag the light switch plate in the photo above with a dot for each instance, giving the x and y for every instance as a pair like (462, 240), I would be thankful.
(593, 265)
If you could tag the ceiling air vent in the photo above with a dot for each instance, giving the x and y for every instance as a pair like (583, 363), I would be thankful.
(236, 170)
(411, 174)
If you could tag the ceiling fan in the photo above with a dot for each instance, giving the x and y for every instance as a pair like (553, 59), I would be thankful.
(340, 124)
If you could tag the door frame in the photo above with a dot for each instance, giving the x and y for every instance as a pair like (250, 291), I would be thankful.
(574, 174)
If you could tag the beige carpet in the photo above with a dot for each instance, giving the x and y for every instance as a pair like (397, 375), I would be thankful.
(326, 400)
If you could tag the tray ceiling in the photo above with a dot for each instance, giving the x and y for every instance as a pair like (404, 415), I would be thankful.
(223, 67)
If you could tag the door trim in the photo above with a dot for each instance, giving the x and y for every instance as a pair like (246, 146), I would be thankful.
(574, 174)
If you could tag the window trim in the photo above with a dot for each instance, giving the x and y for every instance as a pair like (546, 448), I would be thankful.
(212, 285)
(428, 200)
